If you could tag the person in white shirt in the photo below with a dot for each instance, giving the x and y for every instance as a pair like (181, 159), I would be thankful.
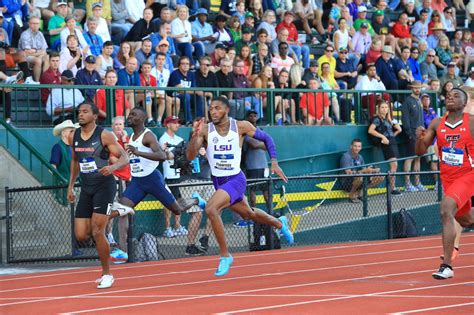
(102, 26)
(71, 29)
(162, 76)
(105, 61)
(63, 101)
(172, 175)
(181, 31)
(470, 81)
(371, 82)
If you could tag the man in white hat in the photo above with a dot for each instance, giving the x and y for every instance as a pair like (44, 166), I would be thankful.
(61, 152)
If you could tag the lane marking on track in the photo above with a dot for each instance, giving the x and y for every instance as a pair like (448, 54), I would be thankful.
(434, 308)
(288, 251)
(236, 267)
(278, 288)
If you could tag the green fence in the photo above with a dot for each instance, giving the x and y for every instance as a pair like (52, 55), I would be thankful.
(39, 220)
(353, 106)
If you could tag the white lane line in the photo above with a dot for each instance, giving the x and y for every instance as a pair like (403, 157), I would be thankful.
(277, 288)
(434, 308)
(235, 267)
(377, 294)
(261, 254)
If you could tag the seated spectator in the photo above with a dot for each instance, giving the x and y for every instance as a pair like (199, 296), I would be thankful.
(249, 21)
(125, 52)
(164, 36)
(445, 89)
(121, 19)
(335, 14)
(456, 42)
(282, 37)
(301, 51)
(235, 28)
(315, 105)
(374, 52)
(148, 97)
(182, 33)
(267, 24)
(361, 41)
(57, 24)
(166, 14)
(428, 67)
(221, 32)
(414, 65)
(216, 57)
(71, 56)
(361, 19)
(183, 78)
(229, 8)
(346, 70)
(202, 33)
(50, 75)
(451, 76)
(88, 76)
(104, 97)
(141, 29)
(162, 48)
(444, 52)
(105, 61)
(62, 102)
(303, 11)
(382, 127)
(329, 83)
(260, 59)
(448, 18)
(162, 76)
(204, 79)
(405, 72)
(135, 10)
(72, 29)
(311, 72)
(342, 38)
(470, 80)
(43, 11)
(284, 103)
(388, 69)
(129, 76)
(467, 48)
(282, 60)
(245, 41)
(102, 26)
(263, 81)
(224, 78)
(419, 31)
(371, 82)
(381, 25)
(245, 56)
(412, 14)
(95, 41)
(242, 99)
(433, 39)
(401, 31)
(145, 53)
(351, 162)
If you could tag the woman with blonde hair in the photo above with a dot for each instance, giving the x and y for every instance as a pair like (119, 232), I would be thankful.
(181, 32)
(263, 81)
(260, 59)
(383, 132)
(443, 51)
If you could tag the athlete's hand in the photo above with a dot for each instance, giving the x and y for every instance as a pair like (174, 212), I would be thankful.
(420, 132)
(131, 149)
(107, 170)
(275, 168)
(71, 197)
(198, 128)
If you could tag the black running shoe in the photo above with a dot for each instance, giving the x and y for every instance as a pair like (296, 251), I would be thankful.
(204, 242)
(193, 250)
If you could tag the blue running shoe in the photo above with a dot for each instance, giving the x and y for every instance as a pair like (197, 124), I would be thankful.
(118, 256)
(224, 266)
(201, 202)
(285, 230)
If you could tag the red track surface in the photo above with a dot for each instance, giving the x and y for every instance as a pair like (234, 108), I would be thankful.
(359, 278)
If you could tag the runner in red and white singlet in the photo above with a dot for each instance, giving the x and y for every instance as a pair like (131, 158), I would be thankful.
(455, 139)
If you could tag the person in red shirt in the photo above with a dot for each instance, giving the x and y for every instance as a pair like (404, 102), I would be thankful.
(315, 105)
(401, 31)
(147, 97)
(50, 76)
(454, 134)
(122, 107)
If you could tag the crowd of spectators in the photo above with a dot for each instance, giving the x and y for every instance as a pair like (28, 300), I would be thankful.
(367, 45)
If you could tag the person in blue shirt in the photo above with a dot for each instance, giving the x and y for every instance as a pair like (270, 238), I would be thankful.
(415, 65)
(145, 53)
(202, 32)
(183, 78)
(88, 76)
(129, 76)
(94, 41)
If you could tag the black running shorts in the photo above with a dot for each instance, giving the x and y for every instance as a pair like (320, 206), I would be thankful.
(96, 198)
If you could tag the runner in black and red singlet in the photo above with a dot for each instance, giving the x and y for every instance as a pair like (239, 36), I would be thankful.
(455, 138)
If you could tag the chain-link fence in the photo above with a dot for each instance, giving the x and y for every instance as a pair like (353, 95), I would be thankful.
(319, 209)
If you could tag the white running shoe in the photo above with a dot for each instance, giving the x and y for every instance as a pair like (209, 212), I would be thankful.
(180, 231)
(444, 272)
(15, 78)
(105, 282)
(169, 233)
(30, 80)
(122, 209)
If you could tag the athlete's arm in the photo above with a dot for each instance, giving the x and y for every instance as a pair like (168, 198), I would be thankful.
(425, 137)
(149, 140)
(248, 129)
(197, 140)
(74, 172)
(115, 149)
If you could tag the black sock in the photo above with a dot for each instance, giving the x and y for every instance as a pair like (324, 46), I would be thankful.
(24, 68)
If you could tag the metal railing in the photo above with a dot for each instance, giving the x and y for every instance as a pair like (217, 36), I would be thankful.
(39, 220)
(353, 104)
(29, 157)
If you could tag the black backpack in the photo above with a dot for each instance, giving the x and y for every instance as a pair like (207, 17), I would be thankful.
(380, 129)
(404, 224)
(261, 237)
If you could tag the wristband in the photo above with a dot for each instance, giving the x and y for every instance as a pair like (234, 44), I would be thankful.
(267, 139)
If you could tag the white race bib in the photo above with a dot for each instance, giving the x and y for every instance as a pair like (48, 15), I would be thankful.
(88, 165)
(452, 156)
(135, 166)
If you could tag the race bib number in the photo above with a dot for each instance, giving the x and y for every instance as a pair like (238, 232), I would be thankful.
(452, 156)
(135, 166)
(88, 165)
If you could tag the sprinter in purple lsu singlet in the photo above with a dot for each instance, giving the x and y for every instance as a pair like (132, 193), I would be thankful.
(224, 137)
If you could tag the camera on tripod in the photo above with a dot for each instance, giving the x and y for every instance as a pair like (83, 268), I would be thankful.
(180, 159)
